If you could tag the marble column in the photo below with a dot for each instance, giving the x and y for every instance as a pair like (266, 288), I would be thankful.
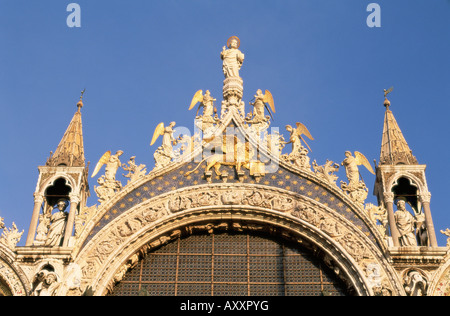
(389, 204)
(425, 200)
(38, 200)
(74, 202)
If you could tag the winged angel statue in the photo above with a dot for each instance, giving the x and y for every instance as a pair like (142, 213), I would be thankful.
(108, 185)
(356, 187)
(164, 154)
(299, 153)
(260, 104)
(207, 102)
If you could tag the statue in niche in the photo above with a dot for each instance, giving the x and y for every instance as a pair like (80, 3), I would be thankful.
(405, 222)
(46, 284)
(421, 230)
(42, 229)
(57, 225)
(415, 284)
(232, 58)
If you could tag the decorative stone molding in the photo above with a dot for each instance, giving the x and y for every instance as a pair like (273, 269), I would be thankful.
(12, 276)
(167, 213)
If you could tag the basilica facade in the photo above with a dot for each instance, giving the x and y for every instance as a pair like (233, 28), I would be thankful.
(233, 208)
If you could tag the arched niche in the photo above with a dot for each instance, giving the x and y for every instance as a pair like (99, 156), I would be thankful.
(59, 189)
(408, 190)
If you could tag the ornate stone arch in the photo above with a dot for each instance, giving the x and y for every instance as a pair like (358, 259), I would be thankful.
(414, 180)
(120, 242)
(70, 182)
(11, 274)
(440, 283)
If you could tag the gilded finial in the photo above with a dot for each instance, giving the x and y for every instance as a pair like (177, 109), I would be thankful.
(387, 103)
(80, 103)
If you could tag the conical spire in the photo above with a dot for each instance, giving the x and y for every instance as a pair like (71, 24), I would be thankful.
(70, 151)
(394, 148)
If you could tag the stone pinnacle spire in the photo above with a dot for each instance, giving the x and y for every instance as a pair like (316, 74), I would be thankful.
(70, 151)
(394, 148)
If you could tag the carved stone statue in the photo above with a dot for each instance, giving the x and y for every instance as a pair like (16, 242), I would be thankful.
(299, 155)
(134, 171)
(42, 229)
(257, 119)
(356, 188)
(57, 225)
(415, 284)
(233, 85)
(108, 183)
(351, 169)
(112, 165)
(232, 58)
(46, 284)
(164, 154)
(106, 189)
(207, 102)
(406, 225)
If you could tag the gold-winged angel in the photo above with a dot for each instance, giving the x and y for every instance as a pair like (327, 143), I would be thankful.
(351, 167)
(206, 101)
(166, 132)
(296, 136)
(261, 101)
(112, 163)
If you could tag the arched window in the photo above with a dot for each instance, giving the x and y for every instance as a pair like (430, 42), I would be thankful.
(230, 265)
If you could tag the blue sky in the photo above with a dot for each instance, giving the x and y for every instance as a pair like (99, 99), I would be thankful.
(142, 61)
